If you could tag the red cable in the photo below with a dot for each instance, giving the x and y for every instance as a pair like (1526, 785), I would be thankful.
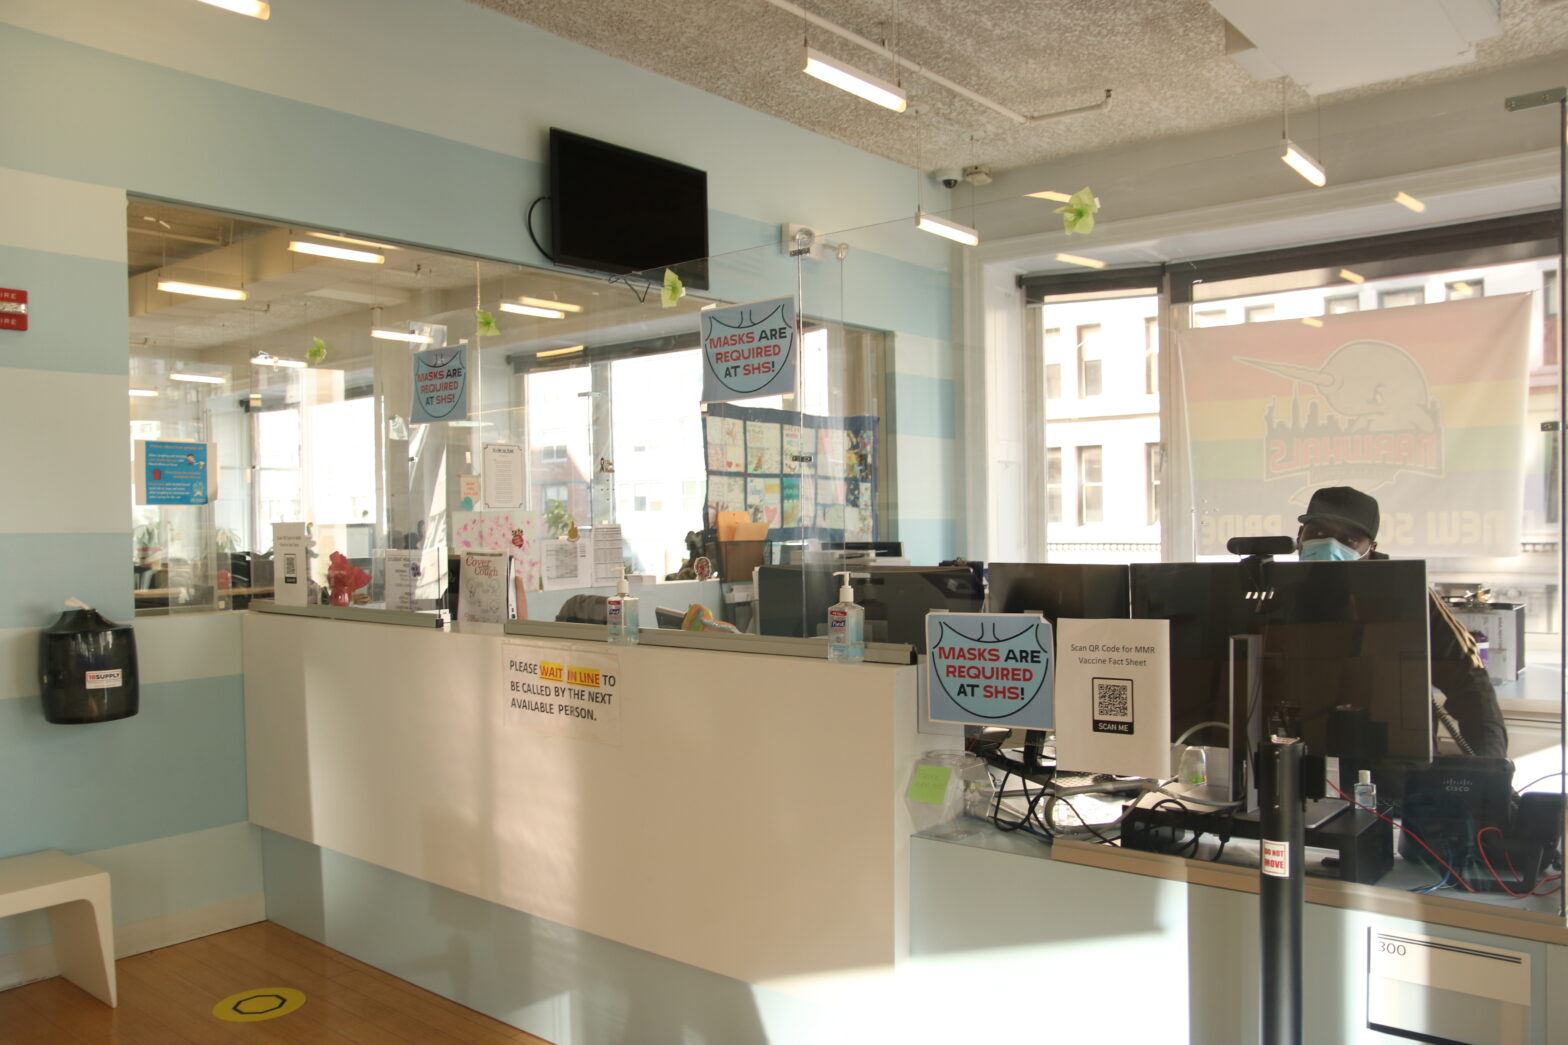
(1542, 882)
(1457, 876)
(1481, 848)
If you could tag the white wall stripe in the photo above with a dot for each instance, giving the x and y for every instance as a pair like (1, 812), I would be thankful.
(38, 212)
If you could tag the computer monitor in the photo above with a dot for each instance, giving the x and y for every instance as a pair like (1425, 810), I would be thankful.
(794, 600)
(887, 549)
(1342, 647)
(1059, 589)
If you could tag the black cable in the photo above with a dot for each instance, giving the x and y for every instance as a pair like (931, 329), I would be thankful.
(641, 298)
(528, 223)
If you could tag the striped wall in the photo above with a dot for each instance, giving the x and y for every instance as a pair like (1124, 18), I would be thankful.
(419, 120)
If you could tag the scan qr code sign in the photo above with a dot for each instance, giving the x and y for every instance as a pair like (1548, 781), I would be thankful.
(1112, 706)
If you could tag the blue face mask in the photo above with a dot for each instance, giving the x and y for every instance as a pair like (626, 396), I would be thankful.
(1327, 549)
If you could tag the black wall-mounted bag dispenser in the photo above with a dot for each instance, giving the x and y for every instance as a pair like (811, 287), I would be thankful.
(88, 667)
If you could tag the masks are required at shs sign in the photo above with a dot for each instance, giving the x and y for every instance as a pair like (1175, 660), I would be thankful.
(994, 669)
(749, 350)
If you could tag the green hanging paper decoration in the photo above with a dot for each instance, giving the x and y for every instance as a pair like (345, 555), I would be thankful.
(1078, 213)
(484, 324)
(317, 351)
(672, 291)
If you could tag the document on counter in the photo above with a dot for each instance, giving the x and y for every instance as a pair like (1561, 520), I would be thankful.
(609, 560)
(566, 564)
(504, 482)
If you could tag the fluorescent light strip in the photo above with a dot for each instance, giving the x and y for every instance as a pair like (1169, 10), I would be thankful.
(322, 250)
(532, 310)
(1297, 160)
(253, 8)
(847, 78)
(549, 352)
(142, 393)
(1312, 321)
(398, 335)
(198, 379)
(947, 229)
(1051, 194)
(350, 239)
(200, 290)
(1075, 259)
(1404, 199)
(562, 306)
(1351, 277)
(265, 359)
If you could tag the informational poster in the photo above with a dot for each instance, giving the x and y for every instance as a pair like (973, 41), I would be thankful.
(805, 475)
(401, 567)
(469, 492)
(562, 692)
(993, 669)
(607, 553)
(175, 473)
(515, 534)
(749, 350)
(504, 483)
(291, 563)
(1113, 696)
(481, 587)
(440, 385)
(566, 564)
(1395, 402)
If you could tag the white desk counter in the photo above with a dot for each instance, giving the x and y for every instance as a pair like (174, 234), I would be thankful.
(749, 821)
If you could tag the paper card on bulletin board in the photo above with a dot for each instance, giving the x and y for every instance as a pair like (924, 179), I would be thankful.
(171, 473)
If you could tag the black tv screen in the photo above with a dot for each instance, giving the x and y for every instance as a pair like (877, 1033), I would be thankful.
(620, 211)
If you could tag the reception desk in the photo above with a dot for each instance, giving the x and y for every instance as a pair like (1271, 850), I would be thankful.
(745, 816)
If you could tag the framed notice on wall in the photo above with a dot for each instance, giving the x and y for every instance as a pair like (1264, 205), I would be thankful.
(808, 476)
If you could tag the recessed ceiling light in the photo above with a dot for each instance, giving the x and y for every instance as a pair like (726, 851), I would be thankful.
(532, 310)
(563, 306)
(336, 238)
(197, 379)
(946, 229)
(1351, 277)
(253, 8)
(1296, 159)
(399, 335)
(548, 352)
(142, 393)
(1051, 194)
(323, 250)
(847, 78)
(1404, 199)
(200, 290)
(1076, 259)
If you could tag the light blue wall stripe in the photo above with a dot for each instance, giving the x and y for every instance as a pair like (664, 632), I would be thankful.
(929, 541)
(925, 405)
(76, 313)
(39, 571)
(177, 766)
(569, 987)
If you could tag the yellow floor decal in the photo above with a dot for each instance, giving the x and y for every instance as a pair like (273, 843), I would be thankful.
(263, 1003)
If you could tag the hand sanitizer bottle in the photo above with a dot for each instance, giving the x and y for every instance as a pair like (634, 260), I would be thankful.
(1365, 793)
(846, 625)
(620, 613)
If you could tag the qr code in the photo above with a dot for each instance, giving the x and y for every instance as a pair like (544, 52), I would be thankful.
(1113, 705)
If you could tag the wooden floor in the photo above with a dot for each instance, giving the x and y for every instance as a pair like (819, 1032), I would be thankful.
(166, 998)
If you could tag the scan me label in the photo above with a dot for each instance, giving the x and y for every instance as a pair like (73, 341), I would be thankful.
(561, 692)
(992, 668)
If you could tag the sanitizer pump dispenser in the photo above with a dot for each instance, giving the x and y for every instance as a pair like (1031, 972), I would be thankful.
(846, 624)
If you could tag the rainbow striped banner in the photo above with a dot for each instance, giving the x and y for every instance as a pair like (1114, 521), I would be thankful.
(1423, 407)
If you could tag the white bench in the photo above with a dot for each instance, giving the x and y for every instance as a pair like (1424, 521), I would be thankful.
(76, 895)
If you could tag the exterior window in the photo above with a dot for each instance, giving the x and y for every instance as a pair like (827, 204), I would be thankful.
(1053, 380)
(556, 452)
(1151, 355)
(1459, 290)
(555, 492)
(1401, 297)
(1053, 484)
(1153, 468)
(1212, 318)
(1340, 303)
(1091, 486)
(1259, 313)
(1089, 360)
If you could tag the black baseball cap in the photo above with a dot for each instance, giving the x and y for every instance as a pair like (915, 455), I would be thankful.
(1344, 505)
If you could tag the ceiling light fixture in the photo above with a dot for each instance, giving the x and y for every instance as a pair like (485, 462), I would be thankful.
(336, 238)
(1312, 321)
(268, 359)
(200, 290)
(1051, 194)
(549, 352)
(399, 335)
(197, 379)
(947, 229)
(142, 393)
(1296, 159)
(323, 250)
(1076, 259)
(532, 310)
(1404, 199)
(1351, 277)
(253, 8)
(847, 78)
(564, 306)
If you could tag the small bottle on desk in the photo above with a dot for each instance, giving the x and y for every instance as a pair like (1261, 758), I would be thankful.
(1365, 793)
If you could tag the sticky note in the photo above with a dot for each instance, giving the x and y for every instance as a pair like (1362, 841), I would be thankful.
(930, 784)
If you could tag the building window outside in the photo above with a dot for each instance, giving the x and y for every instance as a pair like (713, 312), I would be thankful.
(1053, 484)
(1091, 486)
(1153, 468)
(1053, 380)
(1401, 297)
(1211, 318)
(1090, 360)
(554, 452)
(1338, 304)
(1259, 313)
(1461, 289)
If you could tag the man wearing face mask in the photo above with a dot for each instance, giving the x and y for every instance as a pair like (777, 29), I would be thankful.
(1340, 525)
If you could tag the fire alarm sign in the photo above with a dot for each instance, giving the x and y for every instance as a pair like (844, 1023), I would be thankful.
(13, 309)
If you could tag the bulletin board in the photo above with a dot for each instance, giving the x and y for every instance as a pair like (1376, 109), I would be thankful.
(811, 476)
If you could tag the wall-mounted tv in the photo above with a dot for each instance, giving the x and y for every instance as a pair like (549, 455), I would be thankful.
(619, 211)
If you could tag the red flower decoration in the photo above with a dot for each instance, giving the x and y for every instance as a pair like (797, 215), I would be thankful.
(517, 538)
